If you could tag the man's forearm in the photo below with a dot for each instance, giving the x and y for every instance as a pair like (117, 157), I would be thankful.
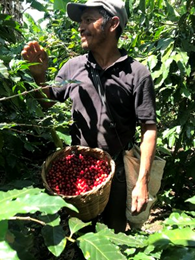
(147, 148)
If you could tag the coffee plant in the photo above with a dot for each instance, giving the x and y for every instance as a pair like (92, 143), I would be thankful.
(160, 34)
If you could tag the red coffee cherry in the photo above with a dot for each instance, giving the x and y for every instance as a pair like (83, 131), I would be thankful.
(76, 174)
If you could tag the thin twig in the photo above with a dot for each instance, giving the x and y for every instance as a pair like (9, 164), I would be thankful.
(28, 219)
(24, 93)
(30, 125)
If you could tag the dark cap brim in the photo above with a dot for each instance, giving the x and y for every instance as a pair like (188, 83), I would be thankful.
(75, 11)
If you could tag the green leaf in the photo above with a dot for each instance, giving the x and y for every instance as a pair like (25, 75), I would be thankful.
(56, 139)
(120, 238)
(157, 73)
(3, 70)
(180, 220)
(53, 234)
(179, 237)
(152, 61)
(159, 30)
(3, 229)
(186, 93)
(165, 68)
(76, 224)
(31, 23)
(6, 252)
(38, 6)
(32, 106)
(13, 194)
(172, 14)
(191, 200)
(44, 203)
(95, 246)
(7, 33)
(181, 57)
(60, 4)
(142, 6)
(168, 132)
(171, 140)
(29, 147)
(54, 238)
(164, 150)
(143, 256)
(21, 241)
(66, 138)
(27, 202)
(130, 251)
(16, 79)
(52, 220)
(163, 44)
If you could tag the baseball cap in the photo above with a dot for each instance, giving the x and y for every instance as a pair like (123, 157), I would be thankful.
(113, 7)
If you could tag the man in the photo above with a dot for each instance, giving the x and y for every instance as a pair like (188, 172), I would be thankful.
(105, 114)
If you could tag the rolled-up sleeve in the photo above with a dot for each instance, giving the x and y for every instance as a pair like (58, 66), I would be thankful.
(145, 107)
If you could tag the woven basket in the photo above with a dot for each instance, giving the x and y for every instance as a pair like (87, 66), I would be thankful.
(89, 204)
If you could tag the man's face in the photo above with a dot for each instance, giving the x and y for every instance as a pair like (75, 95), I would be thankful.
(92, 34)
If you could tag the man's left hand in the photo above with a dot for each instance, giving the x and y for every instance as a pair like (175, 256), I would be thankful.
(139, 198)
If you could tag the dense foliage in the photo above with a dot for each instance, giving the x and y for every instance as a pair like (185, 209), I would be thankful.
(161, 35)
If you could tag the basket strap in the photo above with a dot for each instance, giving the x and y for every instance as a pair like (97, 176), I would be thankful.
(100, 89)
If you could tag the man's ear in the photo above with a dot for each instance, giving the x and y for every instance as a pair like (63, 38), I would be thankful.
(114, 23)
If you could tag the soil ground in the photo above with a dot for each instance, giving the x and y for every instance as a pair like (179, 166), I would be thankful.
(155, 220)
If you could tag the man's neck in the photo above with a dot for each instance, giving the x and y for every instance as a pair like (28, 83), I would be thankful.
(106, 57)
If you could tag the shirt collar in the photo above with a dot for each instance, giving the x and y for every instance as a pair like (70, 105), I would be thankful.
(92, 62)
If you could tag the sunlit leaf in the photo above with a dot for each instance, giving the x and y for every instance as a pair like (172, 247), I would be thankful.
(182, 237)
(95, 246)
(57, 141)
(60, 4)
(3, 70)
(38, 6)
(171, 140)
(76, 224)
(143, 256)
(6, 252)
(191, 200)
(152, 61)
(67, 138)
(120, 238)
(29, 201)
(180, 220)
(186, 93)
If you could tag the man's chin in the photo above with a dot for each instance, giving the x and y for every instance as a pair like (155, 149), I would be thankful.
(85, 46)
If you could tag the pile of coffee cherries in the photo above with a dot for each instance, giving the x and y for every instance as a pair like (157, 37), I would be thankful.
(74, 174)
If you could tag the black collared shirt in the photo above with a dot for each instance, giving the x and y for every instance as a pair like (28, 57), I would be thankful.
(129, 91)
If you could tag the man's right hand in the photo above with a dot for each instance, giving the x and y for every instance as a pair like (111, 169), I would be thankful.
(33, 52)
